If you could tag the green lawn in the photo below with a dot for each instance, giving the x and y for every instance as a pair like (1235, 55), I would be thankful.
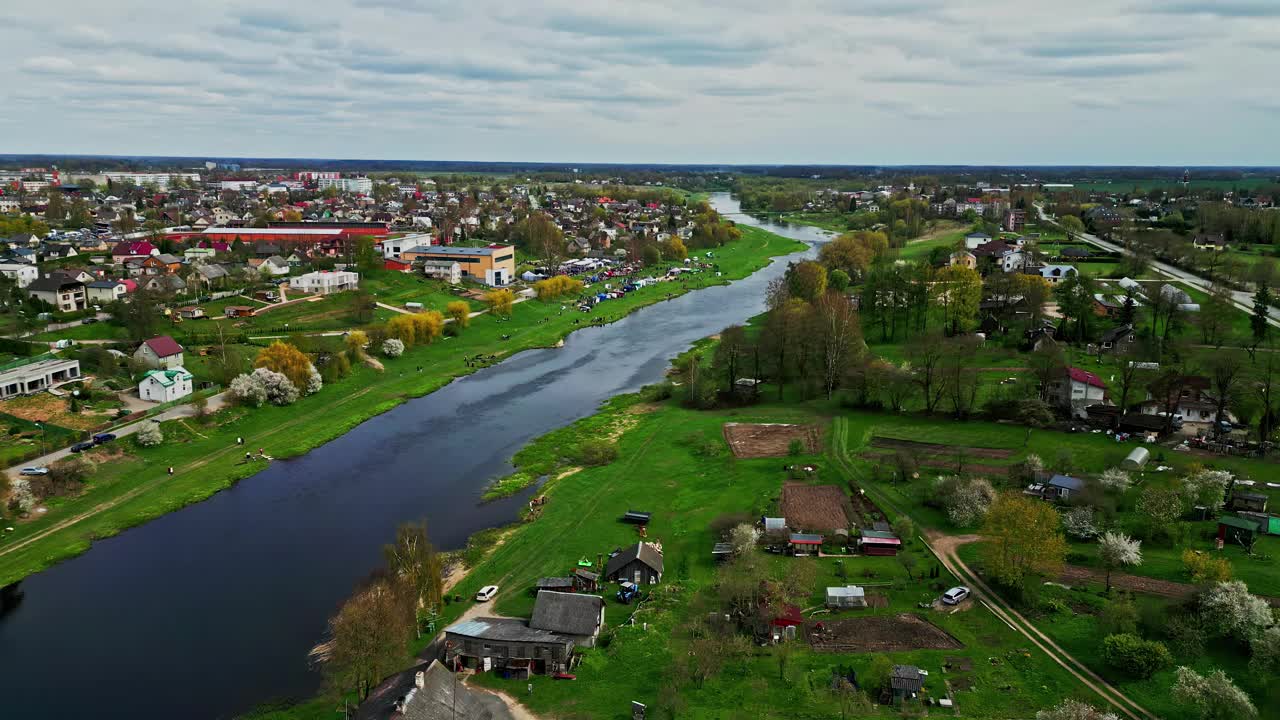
(141, 491)
(920, 249)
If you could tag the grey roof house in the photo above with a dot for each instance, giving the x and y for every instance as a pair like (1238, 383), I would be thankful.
(576, 615)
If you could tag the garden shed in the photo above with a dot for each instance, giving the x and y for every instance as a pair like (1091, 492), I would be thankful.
(1136, 459)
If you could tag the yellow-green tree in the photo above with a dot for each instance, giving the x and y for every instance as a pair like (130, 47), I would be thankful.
(557, 286)
(356, 342)
(460, 311)
(1025, 540)
(674, 249)
(500, 302)
(287, 360)
(958, 290)
(403, 328)
(428, 326)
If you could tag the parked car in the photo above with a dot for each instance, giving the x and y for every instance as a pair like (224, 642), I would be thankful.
(103, 438)
(955, 595)
(41, 470)
(486, 593)
(89, 321)
(82, 446)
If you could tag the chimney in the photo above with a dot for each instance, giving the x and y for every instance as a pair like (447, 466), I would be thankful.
(420, 679)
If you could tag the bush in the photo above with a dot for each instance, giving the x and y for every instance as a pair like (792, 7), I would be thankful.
(460, 311)
(1131, 654)
(392, 348)
(149, 435)
(1206, 569)
(597, 452)
(657, 392)
(1119, 617)
(795, 447)
(557, 286)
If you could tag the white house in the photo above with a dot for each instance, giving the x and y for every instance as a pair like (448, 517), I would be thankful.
(1057, 273)
(392, 247)
(36, 376)
(1077, 389)
(1012, 261)
(165, 385)
(105, 291)
(274, 266)
(325, 282)
(161, 353)
(21, 273)
(974, 240)
(446, 270)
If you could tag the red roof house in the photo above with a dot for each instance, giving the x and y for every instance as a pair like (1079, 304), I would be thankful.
(1086, 377)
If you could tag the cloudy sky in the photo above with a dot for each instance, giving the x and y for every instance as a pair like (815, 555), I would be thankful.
(1177, 82)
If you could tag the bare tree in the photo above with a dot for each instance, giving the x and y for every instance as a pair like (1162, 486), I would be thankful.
(370, 638)
(413, 561)
(926, 353)
(1226, 372)
(841, 339)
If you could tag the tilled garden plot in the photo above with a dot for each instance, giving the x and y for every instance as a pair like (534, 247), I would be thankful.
(925, 448)
(937, 463)
(759, 440)
(882, 633)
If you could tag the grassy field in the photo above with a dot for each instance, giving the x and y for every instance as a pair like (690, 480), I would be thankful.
(131, 490)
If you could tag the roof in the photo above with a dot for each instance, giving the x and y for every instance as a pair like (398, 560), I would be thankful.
(846, 591)
(167, 377)
(460, 251)
(505, 629)
(568, 613)
(1239, 522)
(774, 524)
(805, 539)
(435, 700)
(1066, 481)
(1249, 495)
(554, 582)
(163, 346)
(52, 283)
(646, 553)
(905, 677)
(875, 537)
(1086, 377)
(104, 284)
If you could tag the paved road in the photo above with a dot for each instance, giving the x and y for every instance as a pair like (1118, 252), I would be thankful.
(1240, 299)
(216, 402)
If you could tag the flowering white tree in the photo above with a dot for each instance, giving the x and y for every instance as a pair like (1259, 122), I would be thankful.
(966, 500)
(744, 538)
(1207, 488)
(1075, 710)
(1118, 550)
(1213, 695)
(149, 435)
(1078, 522)
(314, 381)
(392, 348)
(1230, 610)
(248, 390)
(1115, 480)
(1266, 651)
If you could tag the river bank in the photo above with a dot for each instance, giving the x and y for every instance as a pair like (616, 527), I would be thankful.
(129, 491)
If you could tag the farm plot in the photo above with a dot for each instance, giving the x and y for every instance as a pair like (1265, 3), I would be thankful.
(760, 440)
(955, 462)
(881, 633)
(924, 448)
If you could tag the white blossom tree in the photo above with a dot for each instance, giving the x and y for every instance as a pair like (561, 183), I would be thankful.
(1118, 550)
(1213, 696)
(263, 385)
(392, 348)
(1230, 610)
(1078, 522)
(966, 500)
(314, 381)
(248, 390)
(1207, 488)
(149, 435)
(1075, 710)
(744, 538)
(1115, 480)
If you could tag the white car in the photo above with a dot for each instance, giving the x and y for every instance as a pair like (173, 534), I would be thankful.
(486, 593)
(955, 595)
(34, 471)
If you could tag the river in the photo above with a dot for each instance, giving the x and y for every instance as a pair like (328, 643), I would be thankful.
(210, 610)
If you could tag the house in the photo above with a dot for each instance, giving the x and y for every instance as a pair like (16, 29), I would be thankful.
(1076, 388)
(1249, 501)
(326, 282)
(274, 266)
(160, 352)
(430, 692)
(1117, 337)
(803, 543)
(1015, 220)
(1062, 487)
(20, 273)
(641, 564)
(165, 284)
(63, 293)
(191, 312)
(879, 542)
(447, 270)
(128, 249)
(165, 385)
(494, 264)
(975, 239)
(105, 291)
(816, 508)
(1187, 396)
(848, 596)
(1056, 273)
(1238, 530)
(964, 258)
(162, 263)
(578, 616)
(507, 645)
(24, 376)
(237, 311)
(1216, 242)
(905, 681)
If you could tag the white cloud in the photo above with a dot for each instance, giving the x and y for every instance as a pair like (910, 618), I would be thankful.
(832, 81)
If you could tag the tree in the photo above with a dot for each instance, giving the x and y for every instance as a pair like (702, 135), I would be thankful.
(149, 435)
(1206, 569)
(1135, 656)
(1072, 225)
(541, 237)
(1215, 315)
(1207, 489)
(1213, 696)
(1048, 365)
(1265, 651)
(283, 358)
(958, 290)
(1025, 540)
(1161, 507)
(263, 385)
(1259, 321)
(500, 302)
(838, 280)
(140, 316)
(925, 353)
(877, 675)
(460, 312)
(1231, 611)
(729, 354)
(1117, 550)
(392, 348)
(413, 561)
(1115, 480)
(356, 342)
(781, 329)
(370, 637)
(1078, 522)
(743, 538)
(840, 338)
(853, 252)
(1074, 710)
(1075, 302)
(966, 500)
(961, 380)
(1226, 372)
(807, 280)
